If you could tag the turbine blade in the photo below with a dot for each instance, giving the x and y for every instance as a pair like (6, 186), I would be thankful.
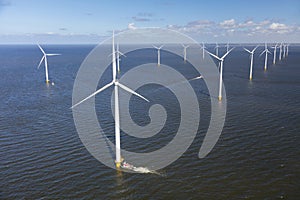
(262, 53)
(155, 46)
(227, 53)
(93, 94)
(53, 54)
(121, 53)
(41, 61)
(161, 47)
(247, 50)
(255, 48)
(131, 91)
(41, 49)
(198, 77)
(214, 55)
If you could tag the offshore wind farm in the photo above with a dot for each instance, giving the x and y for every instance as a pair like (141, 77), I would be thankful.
(51, 144)
(199, 106)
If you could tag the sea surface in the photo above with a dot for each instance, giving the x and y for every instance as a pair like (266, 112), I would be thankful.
(42, 156)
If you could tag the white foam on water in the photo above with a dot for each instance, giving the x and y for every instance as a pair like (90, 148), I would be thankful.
(143, 170)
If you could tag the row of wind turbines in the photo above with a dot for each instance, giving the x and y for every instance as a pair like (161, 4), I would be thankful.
(116, 54)
(283, 53)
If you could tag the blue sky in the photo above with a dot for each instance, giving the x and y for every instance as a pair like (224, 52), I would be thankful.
(90, 21)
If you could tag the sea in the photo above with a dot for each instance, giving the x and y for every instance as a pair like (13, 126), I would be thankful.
(256, 157)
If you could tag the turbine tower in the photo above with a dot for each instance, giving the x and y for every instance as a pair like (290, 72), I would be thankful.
(119, 54)
(44, 58)
(266, 51)
(287, 50)
(274, 56)
(251, 64)
(158, 53)
(217, 49)
(203, 49)
(284, 50)
(280, 51)
(227, 46)
(116, 84)
(221, 71)
(184, 51)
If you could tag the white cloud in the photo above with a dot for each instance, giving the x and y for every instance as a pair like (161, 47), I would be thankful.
(276, 26)
(131, 26)
(265, 29)
(228, 23)
(280, 28)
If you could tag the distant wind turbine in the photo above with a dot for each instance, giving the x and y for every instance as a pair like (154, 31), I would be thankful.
(287, 50)
(274, 56)
(119, 54)
(284, 50)
(217, 49)
(46, 62)
(266, 51)
(251, 64)
(227, 46)
(203, 50)
(184, 51)
(158, 53)
(280, 51)
(221, 71)
(116, 84)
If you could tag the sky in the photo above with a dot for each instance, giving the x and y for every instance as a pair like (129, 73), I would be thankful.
(91, 21)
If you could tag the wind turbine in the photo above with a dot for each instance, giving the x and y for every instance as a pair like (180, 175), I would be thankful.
(221, 71)
(184, 51)
(119, 54)
(251, 64)
(46, 62)
(284, 50)
(287, 50)
(158, 53)
(217, 49)
(266, 51)
(116, 84)
(280, 51)
(203, 49)
(274, 56)
(227, 46)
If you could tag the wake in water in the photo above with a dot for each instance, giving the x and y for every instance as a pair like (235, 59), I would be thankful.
(142, 170)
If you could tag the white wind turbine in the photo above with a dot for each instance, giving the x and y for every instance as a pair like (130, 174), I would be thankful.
(46, 62)
(251, 64)
(203, 50)
(184, 51)
(221, 71)
(287, 49)
(217, 49)
(280, 51)
(274, 56)
(119, 54)
(227, 46)
(158, 53)
(116, 84)
(266, 51)
(284, 50)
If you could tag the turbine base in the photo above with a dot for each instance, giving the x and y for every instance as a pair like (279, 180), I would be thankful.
(118, 165)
